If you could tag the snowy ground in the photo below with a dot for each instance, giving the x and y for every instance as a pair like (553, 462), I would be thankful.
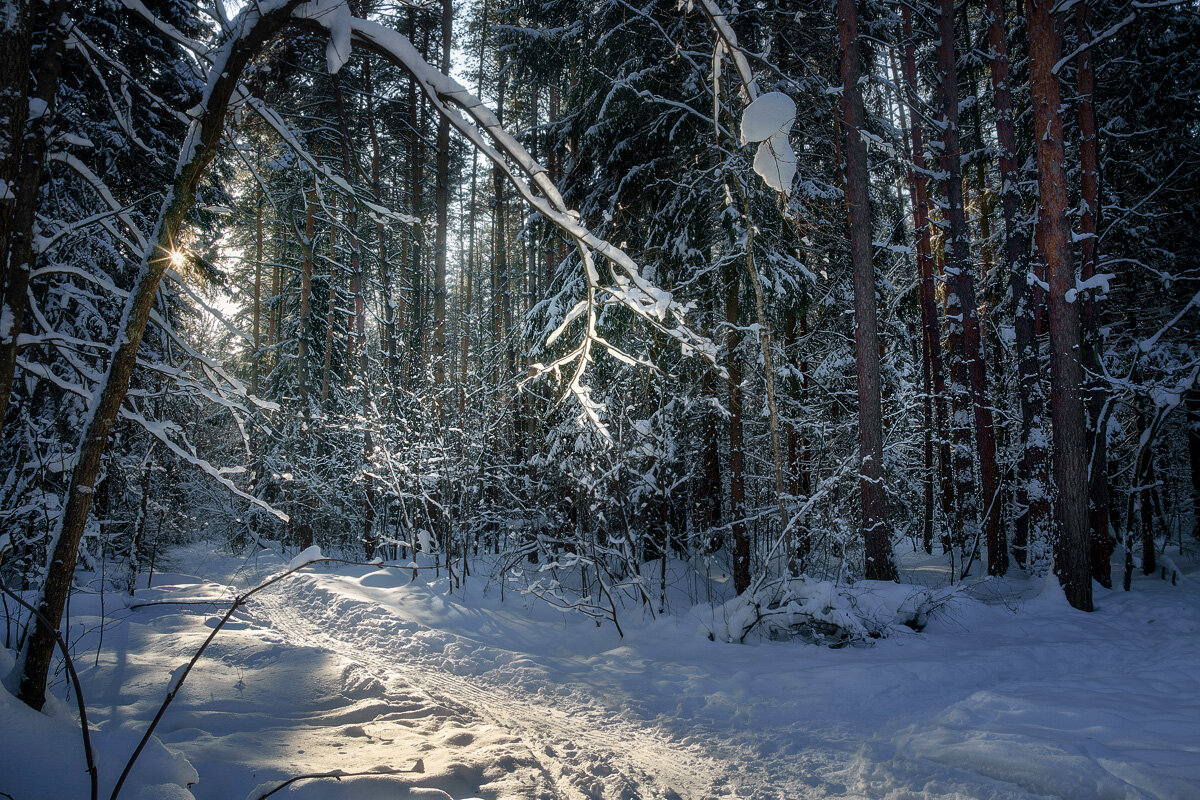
(355, 668)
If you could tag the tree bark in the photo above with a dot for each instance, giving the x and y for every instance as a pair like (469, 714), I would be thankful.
(258, 254)
(442, 200)
(1029, 514)
(331, 310)
(1192, 407)
(1089, 200)
(15, 47)
(416, 156)
(927, 290)
(737, 480)
(1072, 554)
(385, 267)
(18, 237)
(876, 539)
(962, 308)
(200, 148)
(306, 270)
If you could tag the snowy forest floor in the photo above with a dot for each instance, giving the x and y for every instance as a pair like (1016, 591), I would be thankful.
(354, 668)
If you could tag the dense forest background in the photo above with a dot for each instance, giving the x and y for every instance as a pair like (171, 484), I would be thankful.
(609, 345)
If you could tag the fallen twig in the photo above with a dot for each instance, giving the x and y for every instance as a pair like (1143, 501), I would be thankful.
(337, 775)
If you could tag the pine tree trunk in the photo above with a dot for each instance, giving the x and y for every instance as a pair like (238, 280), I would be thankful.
(330, 310)
(927, 289)
(388, 331)
(1192, 405)
(360, 326)
(962, 308)
(416, 344)
(737, 480)
(1016, 241)
(1072, 554)
(876, 538)
(306, 270)
(442, 200)
(500, 273)
(15, 47)
(258, 254)
(1089, 199)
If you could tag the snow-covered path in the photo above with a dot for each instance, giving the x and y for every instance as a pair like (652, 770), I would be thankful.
(459, 695)
(580, 748)
(1053, 704)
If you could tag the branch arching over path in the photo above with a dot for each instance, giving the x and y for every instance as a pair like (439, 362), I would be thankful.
(250, 32)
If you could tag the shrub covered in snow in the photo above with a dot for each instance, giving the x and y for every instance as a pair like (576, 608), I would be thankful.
(828, 612)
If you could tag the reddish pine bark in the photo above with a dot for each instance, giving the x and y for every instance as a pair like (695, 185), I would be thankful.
(1031, 513)
(1089, 198)
(876, 539)
(963, 308)
(935, 370)
(1072, 557)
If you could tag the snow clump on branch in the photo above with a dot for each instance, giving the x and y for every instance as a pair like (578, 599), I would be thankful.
(768, 121)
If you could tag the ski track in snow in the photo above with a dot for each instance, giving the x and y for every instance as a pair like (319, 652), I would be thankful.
(978, 718)
(582, 748)
(359, 668)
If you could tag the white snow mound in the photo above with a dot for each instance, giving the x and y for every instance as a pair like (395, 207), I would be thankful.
(772, 113)
(305, 557)
(775, 161)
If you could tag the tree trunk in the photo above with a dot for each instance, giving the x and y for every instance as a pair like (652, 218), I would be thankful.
(18, 235)
(416, 344)
(962, 308)
(137, 543)
(15, 48)
(442, 199)
(385, 268)
(1072, 554)
(331, 310)
(500, 283)
(201, 146)
(306, 270)
(1089, 199)
(876, 538)
(737, 480)
(1192, 406)
(258, 254)
(360, 326)
(927, 292)
(1029, 514)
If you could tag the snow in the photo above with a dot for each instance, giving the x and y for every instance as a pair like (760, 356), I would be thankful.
(768, 120)
(772, 113)
(41, 755)
(1007, 693)
(334, 16)
(306, 557)
(775, 162)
